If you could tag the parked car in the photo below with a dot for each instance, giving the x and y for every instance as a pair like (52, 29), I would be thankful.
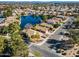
(58, 51)
(52, 41)
(76, 55)
(61, 33)
(67, 34)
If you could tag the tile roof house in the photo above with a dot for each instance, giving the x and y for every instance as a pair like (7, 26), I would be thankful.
(54, 20)
(30, 32)
(46, 25)
(42, 29)
(33, 35)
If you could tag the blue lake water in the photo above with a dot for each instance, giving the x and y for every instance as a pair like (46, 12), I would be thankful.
(29, 19)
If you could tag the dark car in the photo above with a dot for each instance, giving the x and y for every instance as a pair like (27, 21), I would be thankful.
(58, 51)
(51, 46)
(61, 33)
(58, 45)
(76, 55)
(52, 41)
(66, 34)
(66, 26)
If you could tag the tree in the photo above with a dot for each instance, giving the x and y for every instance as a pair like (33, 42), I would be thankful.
(76, 22)
(13, 46)
(8, 12)
(19, 48)
(5, 48)
(44, 17)
(74, 34)
(35, 37)
(14, 27)
(55, 25)
(2, 44)
(5, 30)
(50, 16)
(18, 17)
(22, 14)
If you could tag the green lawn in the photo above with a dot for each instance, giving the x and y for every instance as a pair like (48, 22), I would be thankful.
(37, 53)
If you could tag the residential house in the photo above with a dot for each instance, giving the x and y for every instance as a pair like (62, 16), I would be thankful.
(42, 29)
(54, 20)
(46, 25)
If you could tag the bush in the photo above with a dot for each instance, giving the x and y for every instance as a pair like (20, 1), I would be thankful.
(64, 53)
(56, 25)
(77, 52)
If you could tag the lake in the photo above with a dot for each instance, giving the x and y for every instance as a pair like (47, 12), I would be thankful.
(29, 20)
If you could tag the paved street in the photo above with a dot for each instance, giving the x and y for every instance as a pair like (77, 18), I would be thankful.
(45, 52)
(44, 48)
